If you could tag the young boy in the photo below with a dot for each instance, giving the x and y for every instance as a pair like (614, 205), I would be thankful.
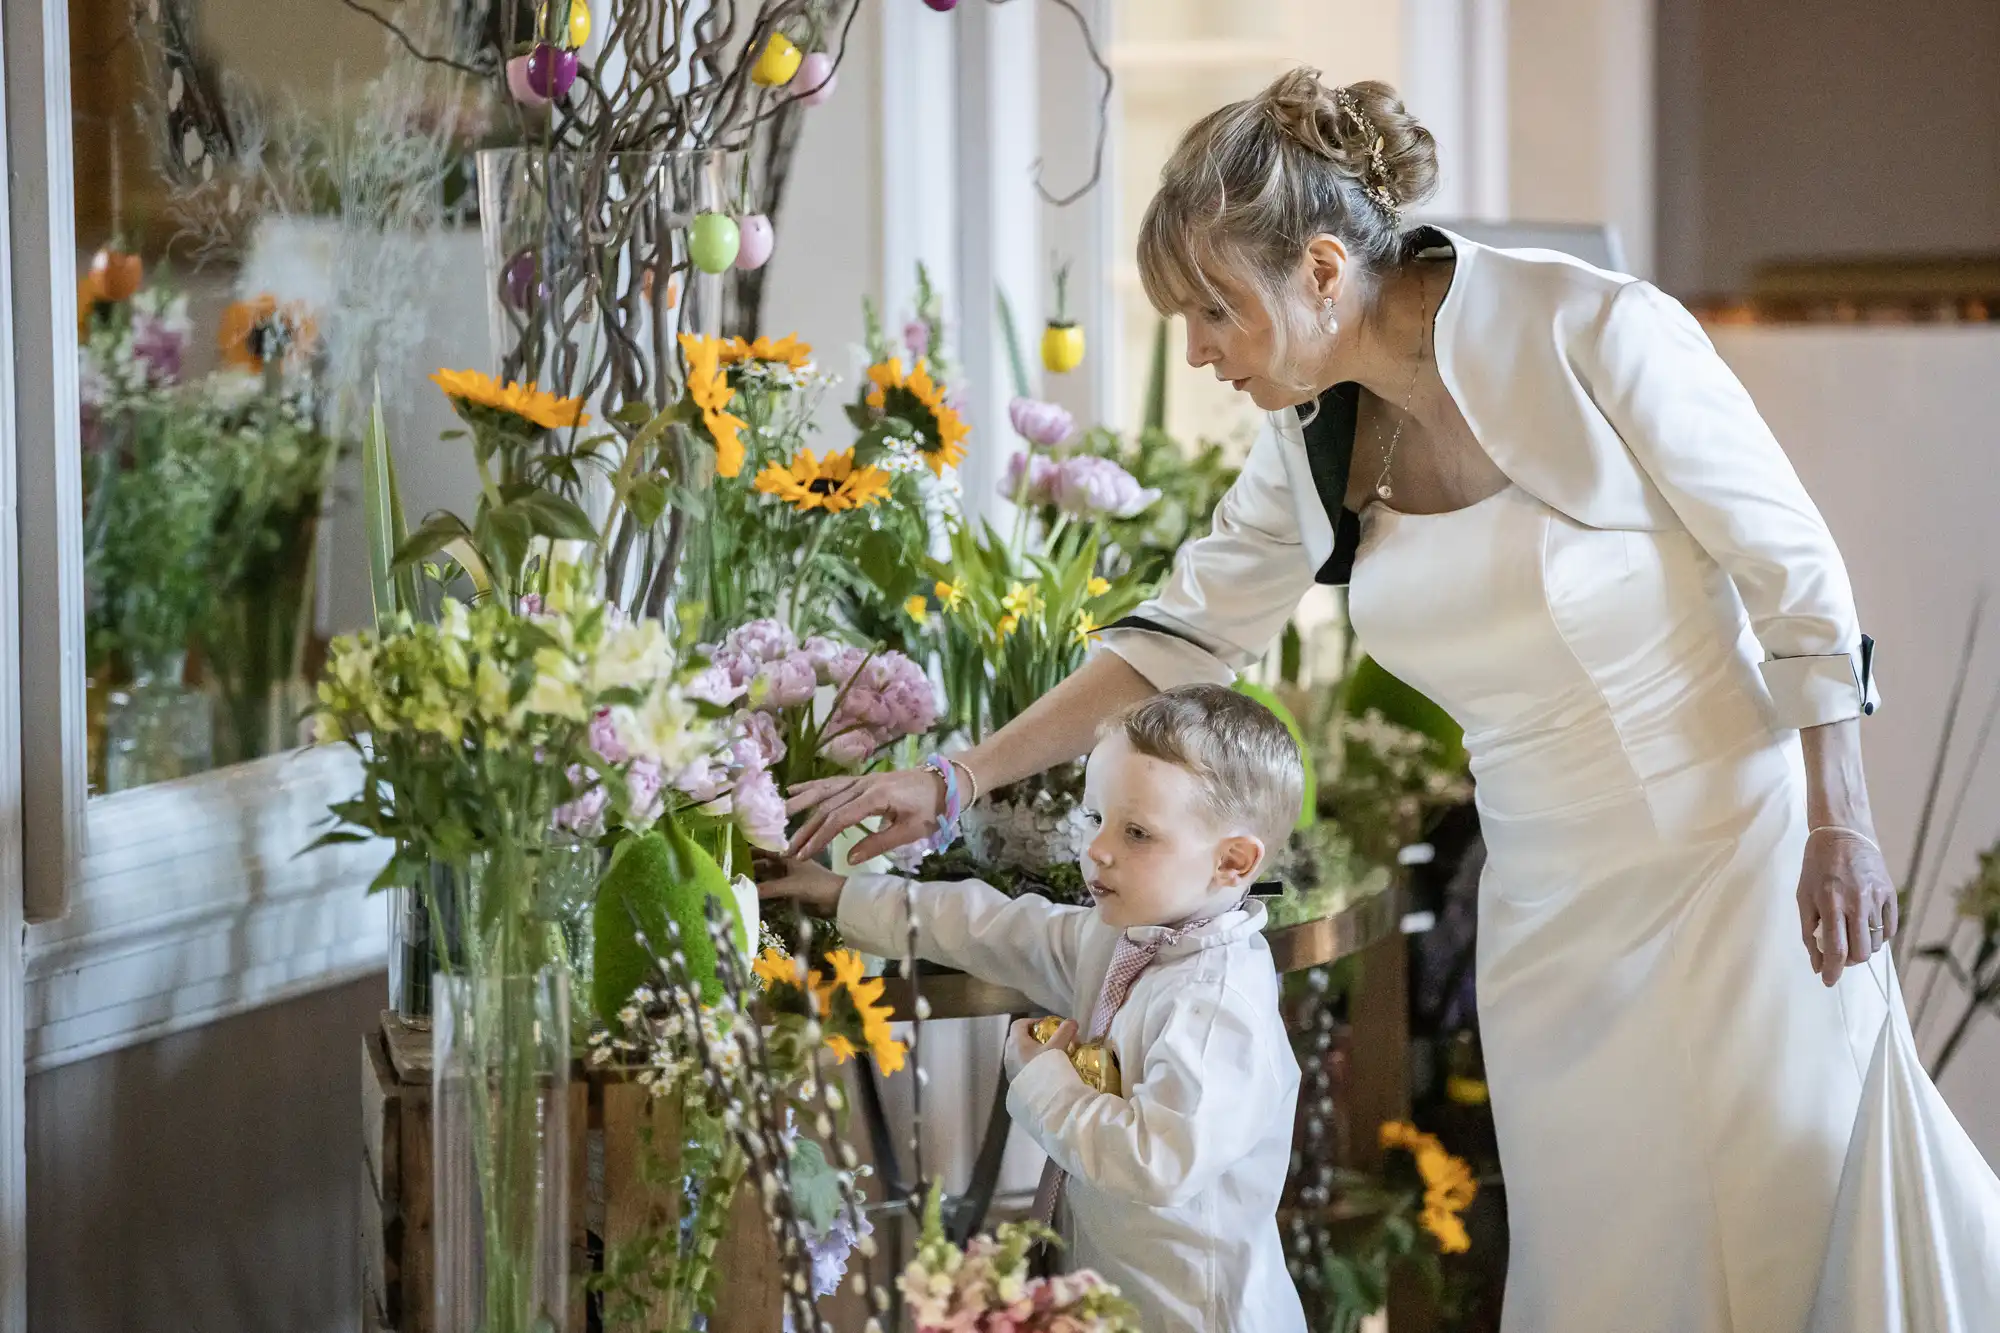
(1171, 1181)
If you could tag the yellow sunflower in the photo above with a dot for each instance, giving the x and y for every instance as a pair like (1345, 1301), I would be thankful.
(788, 351)
(1448, 1230)
(776, 969)
(843, 1049)
(251, 331)
(833, 485)
(866, 995)
(919, 400)
(471, 388)
(917, 608)
(950, 594)
(708, 385)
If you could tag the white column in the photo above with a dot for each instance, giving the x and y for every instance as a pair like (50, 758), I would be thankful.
(1084, 232)
(1454, 80)
(999, 239)
(918, 149)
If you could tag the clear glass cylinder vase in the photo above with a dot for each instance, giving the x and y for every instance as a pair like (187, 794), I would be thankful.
(429, 924)
(591, 279)
(500, 1151)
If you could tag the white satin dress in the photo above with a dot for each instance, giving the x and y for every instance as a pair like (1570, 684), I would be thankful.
(1673, 1088)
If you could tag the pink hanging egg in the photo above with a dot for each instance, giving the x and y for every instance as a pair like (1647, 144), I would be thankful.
(518, 85)
(816, 78)
(756, 241)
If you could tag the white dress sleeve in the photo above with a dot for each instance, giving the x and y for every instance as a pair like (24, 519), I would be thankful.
(1180, 1124)
(1231, 591)
(1690, 423)
(1027, 943)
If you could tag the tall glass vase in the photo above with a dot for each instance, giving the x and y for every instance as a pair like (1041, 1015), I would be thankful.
(157, 728)
(591, 278)
(500, 1144)
(429, 925)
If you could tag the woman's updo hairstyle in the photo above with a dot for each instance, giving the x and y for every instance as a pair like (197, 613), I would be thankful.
(1252, 183)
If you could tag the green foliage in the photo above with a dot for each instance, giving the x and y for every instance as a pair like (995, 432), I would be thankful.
(1309, 812)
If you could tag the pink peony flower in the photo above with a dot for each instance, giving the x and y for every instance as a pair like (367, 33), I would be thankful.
(585, 813)
(850, 748)
(760, 810)
(718, 684)
(784, 683)
(1040, 423)
(1041, 481)
(832, 659)
(643, 783)
(1088, 487)
(761, 641)
(605, 740)
(762, 733)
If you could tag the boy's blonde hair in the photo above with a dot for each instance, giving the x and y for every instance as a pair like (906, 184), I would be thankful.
(1246, 761)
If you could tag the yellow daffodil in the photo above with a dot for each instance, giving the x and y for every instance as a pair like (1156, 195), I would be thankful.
(919, 400)
(1097, 587)
(950, 594)
(472, 388)
(708, 386)
(1008, 624)
(788, 351)
(1023, 599)
(1086, 627)
(918, 609)
(834, 484)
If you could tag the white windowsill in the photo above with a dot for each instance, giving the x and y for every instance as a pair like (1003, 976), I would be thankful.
(193, 904)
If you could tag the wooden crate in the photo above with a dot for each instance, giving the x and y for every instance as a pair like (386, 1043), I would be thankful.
(606, 1117)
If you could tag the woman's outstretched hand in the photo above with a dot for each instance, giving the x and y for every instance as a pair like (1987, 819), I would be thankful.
(1847, 902)
(910, 801)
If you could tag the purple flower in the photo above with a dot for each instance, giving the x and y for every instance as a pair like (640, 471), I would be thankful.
(1088, 487)
(717, 684)
(643, 781)
(760, 641)
(605, 740)
(531, 603)
(1037, 422)
(917, 337)
(760, 810)
(157, 346)
(1041, 480)
(890, 697)
(784, 683)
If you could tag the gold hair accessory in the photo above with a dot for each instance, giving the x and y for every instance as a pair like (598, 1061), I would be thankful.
(1375, 176)
(1093, 1060)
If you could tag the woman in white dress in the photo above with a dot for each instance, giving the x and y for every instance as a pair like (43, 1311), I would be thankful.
(1561, 517)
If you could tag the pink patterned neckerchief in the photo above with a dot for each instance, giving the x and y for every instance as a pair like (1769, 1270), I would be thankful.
(1128, 960)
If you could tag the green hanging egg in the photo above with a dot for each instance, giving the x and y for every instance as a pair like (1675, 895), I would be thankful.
(653, 879)
(713, 242)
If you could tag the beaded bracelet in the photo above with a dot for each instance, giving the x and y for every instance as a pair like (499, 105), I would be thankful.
(947, 826)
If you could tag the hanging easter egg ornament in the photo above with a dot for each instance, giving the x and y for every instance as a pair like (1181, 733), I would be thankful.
(518, 86)
(816, 78)
(942, 6)
(779, 62)
(713, 242)
(756, 241)
(1062, 340)
(115, 275)
(518, 280)
(551, 71)
(577, 29)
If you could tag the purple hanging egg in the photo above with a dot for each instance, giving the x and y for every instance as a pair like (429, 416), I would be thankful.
(755, 240)
(519, 281)
(551, 71)
(816, 78)
(518, 86)
(942, 6)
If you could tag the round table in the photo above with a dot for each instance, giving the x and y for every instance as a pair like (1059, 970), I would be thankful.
(948, 994)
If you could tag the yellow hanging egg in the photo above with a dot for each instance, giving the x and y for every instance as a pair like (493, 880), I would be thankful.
(780, 60)
(1062, 347)
(579, 23)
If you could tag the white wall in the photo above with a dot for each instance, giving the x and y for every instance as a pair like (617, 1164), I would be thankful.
(1893, 431)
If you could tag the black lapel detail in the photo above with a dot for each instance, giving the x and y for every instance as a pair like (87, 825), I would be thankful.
(1330, 453)
(1154, 627)
(1867, 673)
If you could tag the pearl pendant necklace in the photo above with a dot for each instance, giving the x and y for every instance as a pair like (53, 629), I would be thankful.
(1383, 490)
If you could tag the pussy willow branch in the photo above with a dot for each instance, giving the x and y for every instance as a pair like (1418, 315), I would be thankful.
(1103, 111)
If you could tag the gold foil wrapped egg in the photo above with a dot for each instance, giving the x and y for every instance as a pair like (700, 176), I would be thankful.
(1093, 1061)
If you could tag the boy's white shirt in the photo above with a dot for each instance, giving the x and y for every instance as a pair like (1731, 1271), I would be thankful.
(1173, 1188)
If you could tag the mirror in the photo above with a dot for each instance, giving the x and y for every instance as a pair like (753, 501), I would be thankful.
(268, 204)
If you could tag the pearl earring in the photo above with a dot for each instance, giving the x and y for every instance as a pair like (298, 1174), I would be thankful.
(1326, 316)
